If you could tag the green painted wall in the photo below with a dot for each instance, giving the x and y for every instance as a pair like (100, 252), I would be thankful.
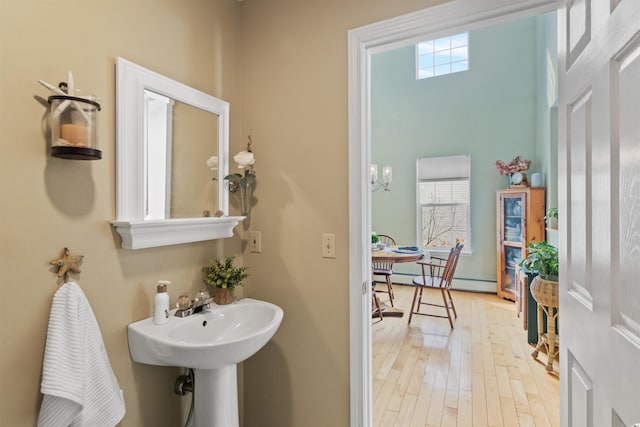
(546, 113)
(489, 112)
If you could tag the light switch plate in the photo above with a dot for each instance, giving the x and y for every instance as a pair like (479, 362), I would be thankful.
(255, 242)
(328, 245)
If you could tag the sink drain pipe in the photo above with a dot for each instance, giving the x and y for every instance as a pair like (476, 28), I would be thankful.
(184, 386)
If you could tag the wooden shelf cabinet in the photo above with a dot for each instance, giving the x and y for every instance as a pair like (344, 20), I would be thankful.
(520, 221)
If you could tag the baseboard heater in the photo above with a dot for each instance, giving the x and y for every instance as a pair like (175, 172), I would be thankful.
(459, 283)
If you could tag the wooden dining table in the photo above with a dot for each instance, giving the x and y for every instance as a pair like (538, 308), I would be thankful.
(394, 255)
(389, 255)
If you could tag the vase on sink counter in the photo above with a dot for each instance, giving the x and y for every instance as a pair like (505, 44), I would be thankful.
(223, 276)
(223, 296)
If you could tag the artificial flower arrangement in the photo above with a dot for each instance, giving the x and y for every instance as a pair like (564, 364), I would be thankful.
(223, 274)
(518, 164)
(223, 277)
(240, 184)
(244, 160)
(212, 162)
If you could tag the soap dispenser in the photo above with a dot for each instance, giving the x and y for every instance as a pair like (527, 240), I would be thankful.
(161, 312)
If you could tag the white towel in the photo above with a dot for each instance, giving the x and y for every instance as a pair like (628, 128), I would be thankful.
(78, 383)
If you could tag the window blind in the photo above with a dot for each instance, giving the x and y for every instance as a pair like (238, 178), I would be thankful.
(443, 201)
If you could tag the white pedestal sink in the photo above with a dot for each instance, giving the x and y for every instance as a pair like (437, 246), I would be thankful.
(212, 343)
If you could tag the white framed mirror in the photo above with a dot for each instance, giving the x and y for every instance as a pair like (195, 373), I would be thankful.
(166, 132)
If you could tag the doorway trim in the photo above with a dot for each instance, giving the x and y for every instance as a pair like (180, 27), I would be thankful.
(440, 20)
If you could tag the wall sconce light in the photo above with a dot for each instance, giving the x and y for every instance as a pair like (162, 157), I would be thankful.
(387, 175)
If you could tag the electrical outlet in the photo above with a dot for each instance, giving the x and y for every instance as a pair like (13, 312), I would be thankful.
(328, 245)
(255, 242)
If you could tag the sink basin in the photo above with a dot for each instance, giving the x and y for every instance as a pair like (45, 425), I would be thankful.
(212, 343)
(224, 336)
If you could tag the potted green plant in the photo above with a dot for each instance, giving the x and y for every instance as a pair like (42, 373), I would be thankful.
(551, 218)
(375, 239)
(223, 277)
(543, 259)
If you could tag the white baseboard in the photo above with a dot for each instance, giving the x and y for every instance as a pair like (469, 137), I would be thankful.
(458, 284)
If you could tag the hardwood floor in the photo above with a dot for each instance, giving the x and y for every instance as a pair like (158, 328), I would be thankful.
(479, 374)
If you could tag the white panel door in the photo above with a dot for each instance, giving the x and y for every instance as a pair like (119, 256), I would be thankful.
(599, 201)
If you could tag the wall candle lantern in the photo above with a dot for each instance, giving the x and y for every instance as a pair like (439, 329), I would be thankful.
(74, 123)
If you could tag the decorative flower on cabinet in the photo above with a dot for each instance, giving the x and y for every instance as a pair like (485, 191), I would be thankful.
(518, 164)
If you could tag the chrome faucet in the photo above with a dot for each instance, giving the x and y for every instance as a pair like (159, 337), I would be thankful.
(187, 306)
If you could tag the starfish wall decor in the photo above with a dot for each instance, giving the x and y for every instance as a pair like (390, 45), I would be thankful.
(67, 263)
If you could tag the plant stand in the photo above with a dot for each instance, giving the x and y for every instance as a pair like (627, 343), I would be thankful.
(549, 340)
(545, 292)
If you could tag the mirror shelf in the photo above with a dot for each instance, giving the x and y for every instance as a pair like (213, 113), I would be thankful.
(149, 234)
(136, 190)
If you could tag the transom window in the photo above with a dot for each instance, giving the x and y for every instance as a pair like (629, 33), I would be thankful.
(443, 195)
(441, 56)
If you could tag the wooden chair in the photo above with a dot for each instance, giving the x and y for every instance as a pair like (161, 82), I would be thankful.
(384, 269)
(375, 306)
(437, 274)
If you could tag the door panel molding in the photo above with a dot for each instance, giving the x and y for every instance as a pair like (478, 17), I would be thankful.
(578, 28)
(580, 395)
(625, 91)
(579, 137)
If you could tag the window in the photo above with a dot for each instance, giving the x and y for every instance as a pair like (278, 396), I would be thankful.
(443, 201)
(442, 56)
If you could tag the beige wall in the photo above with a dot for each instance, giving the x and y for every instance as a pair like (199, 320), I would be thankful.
(49, 203)
(286, 62)
(295, 92)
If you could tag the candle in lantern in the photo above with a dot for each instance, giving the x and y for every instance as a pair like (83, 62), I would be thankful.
(75, 135)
